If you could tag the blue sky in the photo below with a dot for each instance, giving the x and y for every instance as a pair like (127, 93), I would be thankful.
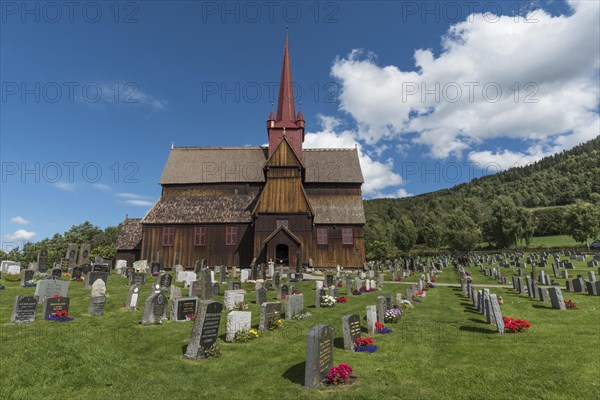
(93, 96)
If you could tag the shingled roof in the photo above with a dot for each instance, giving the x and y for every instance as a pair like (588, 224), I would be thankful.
(201, 209)
(187, 165)
(337, 209)
(130, 236)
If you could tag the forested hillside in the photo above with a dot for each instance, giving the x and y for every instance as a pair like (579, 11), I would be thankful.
(556, 195)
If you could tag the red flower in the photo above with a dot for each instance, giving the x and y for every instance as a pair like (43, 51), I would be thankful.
(340, 284)
(364, 342)
(378, 326)
(341, 299)
(283, 296)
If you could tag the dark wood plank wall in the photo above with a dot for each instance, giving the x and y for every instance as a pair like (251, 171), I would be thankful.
(335, 252)
(215, 251)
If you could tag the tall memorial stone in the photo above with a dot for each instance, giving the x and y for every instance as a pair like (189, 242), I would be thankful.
(132, 297)
(42, 261)
(71, 256)
(319, 355)
(351, 330)
(556, 298)
(294, 305)
(155, 309)
(371, 319)
(205, 329)
(84, 254)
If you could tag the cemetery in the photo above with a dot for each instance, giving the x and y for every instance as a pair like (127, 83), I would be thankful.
(406, 328)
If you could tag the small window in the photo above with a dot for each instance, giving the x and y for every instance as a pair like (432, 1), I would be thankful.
(168, 236)
(231, 235)
(321, 235)
(200, 236)
(347, 237)
(282, 222)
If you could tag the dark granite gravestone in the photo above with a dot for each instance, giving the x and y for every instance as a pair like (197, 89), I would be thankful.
(381, 309)
(77, 272)
(319, 355)
(155, 268)
(24, 309)
(42, 260)
(93, 276)
(132, 297)
(54, 304)
(223, 274)
(267, 285)
(96, 306)
(235, 285)
(267, 311)
(71, 256)
(205, 330)
(26, 276)
(182, 307)
(556, 298)
(86, 269)
(165, 281)
(261, 295)
(129, 271)
(277, 279)
(155, 309)
(57, 273)
(137, 278)
(216, 289)
(591, 288)
(328, 280)
(351, 329)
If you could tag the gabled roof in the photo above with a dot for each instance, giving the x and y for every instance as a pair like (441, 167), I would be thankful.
(286, 231)
(337, 209)
(284, 156)
(190, 165)
(130, 235)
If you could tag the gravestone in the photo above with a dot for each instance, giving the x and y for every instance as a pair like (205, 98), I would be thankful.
(140, 266)
(233, 297)
(320, 293)
(50, 288)
(42, 260)
(137, 278)
(216, 289)
(244, 275)
(371, 319)
(93, 276)
(261, 296)
(294, 305)
(319, 355)
(496, 313)
(54, 304)
(351, 329)
(56, 273)
(223, 274)
(26, 276)
(328, 280)
(96, 306)
(556, 298)
(77, 273)
(155, 268)
(194, 290)
(71, 255)
(165, 281)
(234, 285)
(98, 288)
(591, 276)
(237, 321)
(183, 307)
(543, 294)
(84, 254)
(206, 287)
(86, 269)
(267, 311)
(578, 284)
(277, 279)
(282, 291)
(174, 292)
(155, 309)
(381, 309)
(132, 297)
(591, 288)
(205, 330)
(24, 309)
(267, 285)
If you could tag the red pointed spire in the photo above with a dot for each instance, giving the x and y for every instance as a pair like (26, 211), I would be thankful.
(285, 105)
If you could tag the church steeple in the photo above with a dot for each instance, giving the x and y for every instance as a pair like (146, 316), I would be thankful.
(285, 123)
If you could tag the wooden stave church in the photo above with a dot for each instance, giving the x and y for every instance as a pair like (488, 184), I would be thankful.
(236, 206)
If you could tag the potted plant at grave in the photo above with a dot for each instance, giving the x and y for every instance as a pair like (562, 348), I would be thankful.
(392, 315)
(327, 301)
(342, 299)
(379, 328)
(60, 316)
(570, 305)
(515, 325)
(274, 322)
(245, 336)
(364, 345)
(340, 375)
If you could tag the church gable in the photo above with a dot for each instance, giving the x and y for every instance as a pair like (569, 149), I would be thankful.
(284, 156)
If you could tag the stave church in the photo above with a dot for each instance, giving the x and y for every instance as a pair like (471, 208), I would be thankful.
(237, 206)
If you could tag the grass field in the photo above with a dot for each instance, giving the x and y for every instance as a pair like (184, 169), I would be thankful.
(552, 242)
(443, 349)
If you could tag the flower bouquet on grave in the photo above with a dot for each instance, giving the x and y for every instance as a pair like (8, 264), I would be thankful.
(340, 375)
(429, 285)
(283, 297)
(356, 292)
(327, 301)
(340, 284)
(213, 351)
(241, 306)
(245, 336)
(293, 280)
(342, 299)
(515, 325)
(412, 273)
(275, 321)
(303, 315)
(364, 345)
(190, 317)
(379, 328)
(297, 292)
(60, 316)
(30, 283)
(305, 279)
(392, 315)
(570, 305)
(398, 279)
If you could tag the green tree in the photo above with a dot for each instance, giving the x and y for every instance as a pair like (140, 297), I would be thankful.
(462, 234)
(405, 234)
(584, 221)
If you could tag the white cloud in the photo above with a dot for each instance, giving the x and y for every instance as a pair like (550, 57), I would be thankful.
(122, 92)
(377, 175)
(19, 220)
(101, 186)
(68, 187)
(20, 235)
(558, 55)
(139, 202)
(504, 159)
(392, 195)
(131, 196)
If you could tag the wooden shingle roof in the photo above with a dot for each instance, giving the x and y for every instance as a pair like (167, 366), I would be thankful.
(130, 236)
(337, 209)
(188, 165)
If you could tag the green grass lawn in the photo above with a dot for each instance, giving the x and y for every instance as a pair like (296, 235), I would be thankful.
(442, 349)
(551, 242)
